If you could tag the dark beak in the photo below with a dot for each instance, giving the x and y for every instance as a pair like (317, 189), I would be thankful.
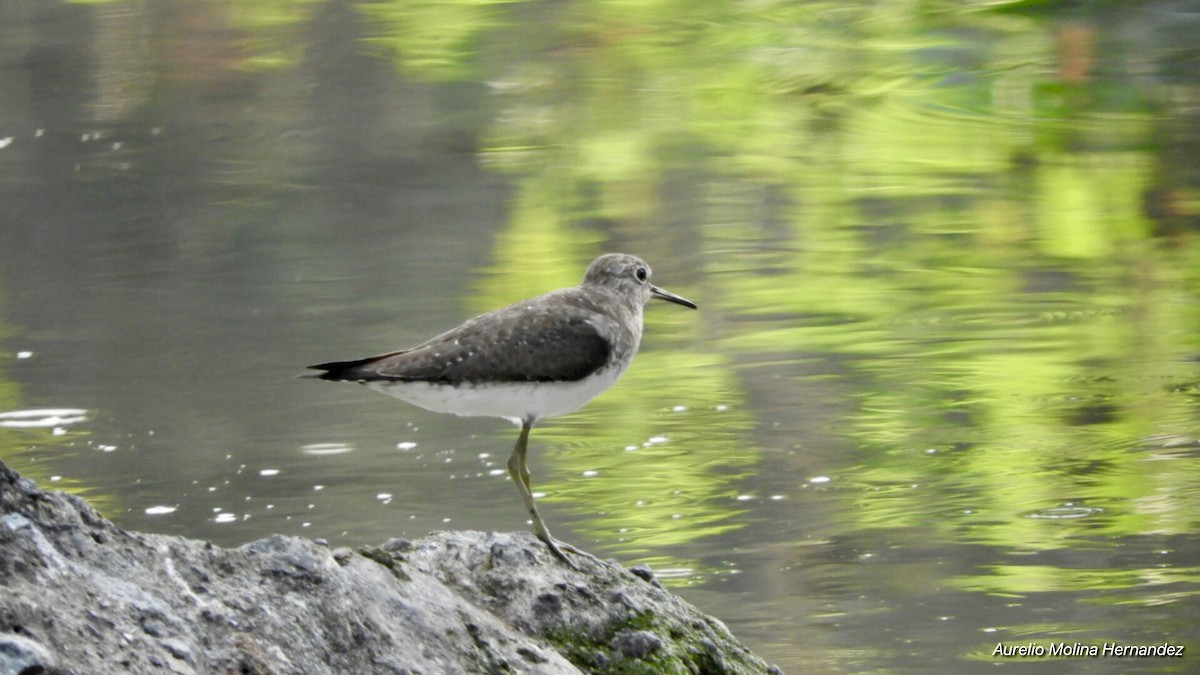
(671, 297)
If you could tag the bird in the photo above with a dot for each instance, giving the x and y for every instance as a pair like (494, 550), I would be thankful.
(525, 362)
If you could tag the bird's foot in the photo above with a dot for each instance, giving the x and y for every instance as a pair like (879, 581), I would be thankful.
(560, 550)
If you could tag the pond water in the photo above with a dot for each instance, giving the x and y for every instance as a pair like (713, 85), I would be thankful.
(943, 390)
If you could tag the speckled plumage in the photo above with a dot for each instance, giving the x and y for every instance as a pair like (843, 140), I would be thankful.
(564, 336)
(525, 362)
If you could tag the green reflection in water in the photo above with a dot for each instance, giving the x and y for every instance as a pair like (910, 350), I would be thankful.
(538, 252)
(35, 452)
(40, 453)
(434, 40)
(14, 445)
(1017, 580)
(981, 403)
(659, 459)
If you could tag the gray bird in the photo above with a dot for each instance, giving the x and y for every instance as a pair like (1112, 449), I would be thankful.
(531, 360)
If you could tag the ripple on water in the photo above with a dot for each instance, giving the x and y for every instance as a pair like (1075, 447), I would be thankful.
(1064, 512)
(42, 417)
(326, 448)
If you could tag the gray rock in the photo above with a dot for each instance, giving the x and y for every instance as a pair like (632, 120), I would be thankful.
(636, 644)
(83, 596)
(21, 655)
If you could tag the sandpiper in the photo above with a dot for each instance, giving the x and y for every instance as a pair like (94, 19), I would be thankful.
(534, 359)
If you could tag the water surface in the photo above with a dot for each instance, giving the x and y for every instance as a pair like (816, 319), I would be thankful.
(943, 390)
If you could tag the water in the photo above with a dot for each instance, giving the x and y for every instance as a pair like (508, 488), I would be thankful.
(941, 392)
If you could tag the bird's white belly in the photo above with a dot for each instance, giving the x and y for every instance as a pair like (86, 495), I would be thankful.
(515, 401)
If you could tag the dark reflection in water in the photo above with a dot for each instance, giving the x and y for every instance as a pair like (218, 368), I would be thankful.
(942, 393)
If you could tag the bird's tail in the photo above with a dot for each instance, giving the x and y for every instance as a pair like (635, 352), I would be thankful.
(344, 370)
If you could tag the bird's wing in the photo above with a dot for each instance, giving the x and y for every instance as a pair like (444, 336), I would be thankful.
(520, 343)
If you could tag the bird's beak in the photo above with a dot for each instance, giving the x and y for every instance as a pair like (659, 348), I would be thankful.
(671, 297)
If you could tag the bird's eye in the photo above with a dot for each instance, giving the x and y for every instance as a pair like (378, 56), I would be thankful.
(642, 274)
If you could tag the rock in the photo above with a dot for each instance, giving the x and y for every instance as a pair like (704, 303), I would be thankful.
(22, 655)
(83, 596)
(643, 571)
(636, 644)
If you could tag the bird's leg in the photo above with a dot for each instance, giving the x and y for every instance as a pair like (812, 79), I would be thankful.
(520, 475)
(518, 456)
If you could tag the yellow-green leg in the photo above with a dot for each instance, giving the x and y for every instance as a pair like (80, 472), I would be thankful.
(520, 475)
